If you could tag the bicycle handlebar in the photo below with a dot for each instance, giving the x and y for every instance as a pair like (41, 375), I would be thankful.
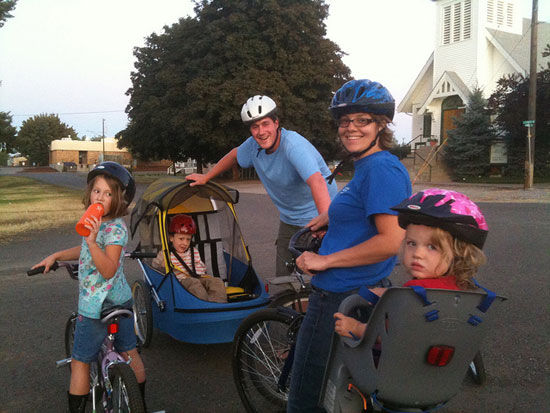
(303, 240)
(140, 255)
(40, 270)
(72, 268)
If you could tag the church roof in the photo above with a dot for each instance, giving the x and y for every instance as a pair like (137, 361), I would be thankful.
(517, 46)
(514, 48)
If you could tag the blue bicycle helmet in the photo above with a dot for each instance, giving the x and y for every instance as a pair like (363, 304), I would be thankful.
(362, 95)
(118, 172)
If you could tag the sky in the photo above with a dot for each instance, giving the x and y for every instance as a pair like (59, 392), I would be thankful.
(73, 58)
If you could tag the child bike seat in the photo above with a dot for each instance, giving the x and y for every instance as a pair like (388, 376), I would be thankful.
(415, 353)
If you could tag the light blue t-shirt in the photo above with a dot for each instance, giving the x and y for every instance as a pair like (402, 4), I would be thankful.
(284, 174)
(94, 290)
(380, 182)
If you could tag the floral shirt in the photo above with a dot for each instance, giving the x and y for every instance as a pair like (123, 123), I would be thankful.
(94, 290)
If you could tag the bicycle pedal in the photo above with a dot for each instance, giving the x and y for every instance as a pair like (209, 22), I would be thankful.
(63, 363)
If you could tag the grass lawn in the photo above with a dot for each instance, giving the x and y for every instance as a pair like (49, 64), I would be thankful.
(27, 205)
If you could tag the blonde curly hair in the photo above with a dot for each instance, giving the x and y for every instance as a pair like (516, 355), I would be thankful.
(462, 257)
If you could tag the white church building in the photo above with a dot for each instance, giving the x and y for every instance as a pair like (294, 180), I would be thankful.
(476, 43)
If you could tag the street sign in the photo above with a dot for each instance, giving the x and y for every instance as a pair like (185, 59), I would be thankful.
(529, 123)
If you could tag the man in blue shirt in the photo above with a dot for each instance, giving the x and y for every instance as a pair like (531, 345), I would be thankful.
(292, 171)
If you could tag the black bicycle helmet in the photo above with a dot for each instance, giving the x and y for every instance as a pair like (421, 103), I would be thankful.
(449, 210)
(118, 172)
(362, 95)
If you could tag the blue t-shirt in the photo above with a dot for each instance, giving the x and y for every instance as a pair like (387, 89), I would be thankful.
(284, 174)
(94, 290)
(379, 183)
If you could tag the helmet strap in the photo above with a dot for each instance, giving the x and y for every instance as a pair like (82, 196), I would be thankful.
(351, 156)
(355, 155)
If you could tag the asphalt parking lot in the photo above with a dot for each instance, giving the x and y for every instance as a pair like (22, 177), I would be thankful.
(197, 378)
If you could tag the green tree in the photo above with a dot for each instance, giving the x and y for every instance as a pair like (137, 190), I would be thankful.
(7, 133)
(191, 81)
(509, 101)
(5, 7)
(468, 145)
(36, 134)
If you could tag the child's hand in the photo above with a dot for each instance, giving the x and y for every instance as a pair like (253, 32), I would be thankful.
(46, 262)
(93, 225)
(348, 326)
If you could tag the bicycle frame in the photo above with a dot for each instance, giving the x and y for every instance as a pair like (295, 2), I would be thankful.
(107, 357)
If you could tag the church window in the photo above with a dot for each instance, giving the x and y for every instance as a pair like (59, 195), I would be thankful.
(457, 22)
(500, 13)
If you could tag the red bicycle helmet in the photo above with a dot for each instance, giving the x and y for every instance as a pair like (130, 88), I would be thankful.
(449, 210)
(182, 224)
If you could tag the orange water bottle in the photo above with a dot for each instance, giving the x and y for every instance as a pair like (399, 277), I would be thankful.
(94, 210)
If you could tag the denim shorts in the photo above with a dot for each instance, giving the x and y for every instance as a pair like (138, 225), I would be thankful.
(91, 332)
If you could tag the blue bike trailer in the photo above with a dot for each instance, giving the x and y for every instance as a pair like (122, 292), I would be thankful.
(221, 246)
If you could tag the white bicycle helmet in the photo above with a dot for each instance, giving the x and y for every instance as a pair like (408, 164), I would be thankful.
(257, 107)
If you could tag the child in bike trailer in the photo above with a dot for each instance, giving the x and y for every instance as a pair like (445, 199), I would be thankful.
(445, 232)
(187, 264)
(101, 279)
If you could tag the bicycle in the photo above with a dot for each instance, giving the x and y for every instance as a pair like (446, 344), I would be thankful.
(263, 349)
(263, 353)
(296, 295)
(113, 383)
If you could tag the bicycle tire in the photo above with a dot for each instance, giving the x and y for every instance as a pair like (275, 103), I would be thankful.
(260, 347)
(70, 327)
(143, 313)
(297, 300)
(476, 370)
(125, 396)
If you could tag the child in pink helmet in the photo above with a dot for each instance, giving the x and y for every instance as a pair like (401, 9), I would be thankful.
(445, 232)
(186, 262)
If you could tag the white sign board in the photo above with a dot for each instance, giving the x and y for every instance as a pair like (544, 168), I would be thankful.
(499, 153)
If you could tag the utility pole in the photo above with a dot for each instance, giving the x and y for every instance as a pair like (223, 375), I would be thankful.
(103, 139)
(532, 103)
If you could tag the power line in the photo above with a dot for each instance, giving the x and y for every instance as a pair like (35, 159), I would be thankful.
(75, 113)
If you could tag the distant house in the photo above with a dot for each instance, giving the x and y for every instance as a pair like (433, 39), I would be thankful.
(86, 154)
(17, 160)
(476, 43)
(75, 155)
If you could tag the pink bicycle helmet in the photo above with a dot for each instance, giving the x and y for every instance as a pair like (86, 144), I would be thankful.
(182, 224)
(449, 210)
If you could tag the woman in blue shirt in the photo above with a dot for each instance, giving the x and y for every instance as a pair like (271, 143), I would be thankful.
(363, 237)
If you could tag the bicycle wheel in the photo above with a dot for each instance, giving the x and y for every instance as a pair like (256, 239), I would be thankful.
(125, 396)
(261, 346)
(143, 313)
(69, 334)
(477, 370)
(298, 301)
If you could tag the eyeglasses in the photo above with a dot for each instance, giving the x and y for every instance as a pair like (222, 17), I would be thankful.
(358, 122)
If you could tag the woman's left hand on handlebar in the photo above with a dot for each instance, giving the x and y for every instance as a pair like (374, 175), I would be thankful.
(311, 263)
(318, 222)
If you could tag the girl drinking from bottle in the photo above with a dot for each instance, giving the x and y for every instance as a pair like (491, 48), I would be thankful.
(102, 283)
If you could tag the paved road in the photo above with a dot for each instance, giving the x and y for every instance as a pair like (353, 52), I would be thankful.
(197, 378)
